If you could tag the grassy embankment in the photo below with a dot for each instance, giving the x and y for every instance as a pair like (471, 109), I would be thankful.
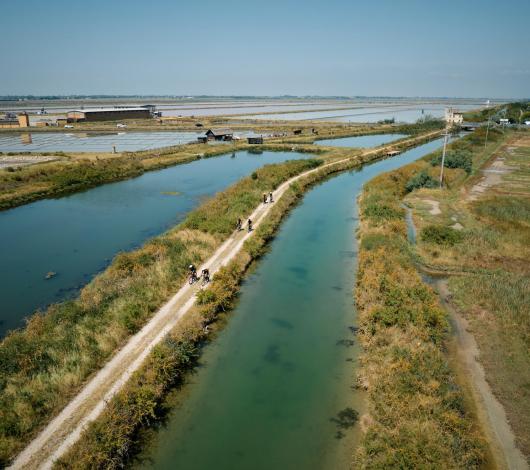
(484, 236)
(417, 414)
(80, 172)
(516, 112)
(45, 364)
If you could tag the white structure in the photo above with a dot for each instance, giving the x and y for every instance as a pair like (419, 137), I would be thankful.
(453, 117)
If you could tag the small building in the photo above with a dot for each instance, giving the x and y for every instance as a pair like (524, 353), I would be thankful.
(6, 123)
(453, 117)
(22, 120)
(108, 114)
(202, 139)
(219, 134)
(61, 122)
(470, 126)
(255, 140)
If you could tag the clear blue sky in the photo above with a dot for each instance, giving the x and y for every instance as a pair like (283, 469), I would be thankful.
(465, 48)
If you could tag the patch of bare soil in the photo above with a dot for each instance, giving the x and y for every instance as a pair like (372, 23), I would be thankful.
(492, 176)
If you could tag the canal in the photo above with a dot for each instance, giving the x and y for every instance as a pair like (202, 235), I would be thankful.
(76, 236)
(276, 389)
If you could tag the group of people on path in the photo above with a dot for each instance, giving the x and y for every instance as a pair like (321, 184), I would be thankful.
(270, 199)
(205, 274)
(266, 200)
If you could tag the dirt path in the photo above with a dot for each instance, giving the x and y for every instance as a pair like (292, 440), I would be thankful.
(490, 410)
(66, 428)
(435, 206)
(492, 176)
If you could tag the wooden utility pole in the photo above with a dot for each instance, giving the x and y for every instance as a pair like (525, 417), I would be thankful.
(443, 156)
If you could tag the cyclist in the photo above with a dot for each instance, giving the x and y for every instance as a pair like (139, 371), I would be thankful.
(249, 225)
(270, 197)
(264, 198)
(193, 273)
(205, 273)
(239, 225)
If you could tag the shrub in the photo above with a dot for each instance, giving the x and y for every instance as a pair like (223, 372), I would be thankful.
(441, 235)
(455, 159)
(420, 180)
(381, 211)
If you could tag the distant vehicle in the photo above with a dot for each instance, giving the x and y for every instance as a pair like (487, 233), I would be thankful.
(121, 126)
(68, 126)
(527, 123)
(42, 111)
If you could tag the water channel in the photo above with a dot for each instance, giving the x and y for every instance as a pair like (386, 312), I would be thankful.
(77, 236)
(271, 387)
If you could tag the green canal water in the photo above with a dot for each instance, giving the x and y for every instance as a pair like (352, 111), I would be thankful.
(270, 387)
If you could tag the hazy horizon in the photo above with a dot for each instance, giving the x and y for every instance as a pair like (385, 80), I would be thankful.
(389, 49)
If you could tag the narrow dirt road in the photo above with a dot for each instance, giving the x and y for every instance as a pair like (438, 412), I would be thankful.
(66, 428)
(490, 410)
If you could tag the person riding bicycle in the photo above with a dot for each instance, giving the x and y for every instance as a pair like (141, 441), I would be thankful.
(239, 225)
(193, 273)
(270, 197)
(249, 225)
(205, 275)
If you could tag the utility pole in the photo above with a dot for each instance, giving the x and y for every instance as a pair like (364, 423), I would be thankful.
(487, 131)
(443, 157)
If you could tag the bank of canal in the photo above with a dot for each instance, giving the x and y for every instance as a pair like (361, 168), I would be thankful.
(370, 140)
(272, 386)
(77, 236)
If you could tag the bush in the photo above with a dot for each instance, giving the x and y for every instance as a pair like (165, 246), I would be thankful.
(455, 159)
(441, 235)
(380, 212)
(421, 180)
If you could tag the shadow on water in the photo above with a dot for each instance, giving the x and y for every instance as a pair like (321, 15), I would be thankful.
(345, 419)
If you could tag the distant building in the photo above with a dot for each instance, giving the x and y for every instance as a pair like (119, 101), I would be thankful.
(453, 117)
(255, 140)
(108, 114)
(8, 123)
(219, 134)
(45, 123)
(22, 120)
(470, 126)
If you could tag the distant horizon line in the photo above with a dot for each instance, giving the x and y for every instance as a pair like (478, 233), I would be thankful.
(20, 97)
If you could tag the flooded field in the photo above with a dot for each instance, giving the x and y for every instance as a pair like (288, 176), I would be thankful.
(91, 142)
(402, 113)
